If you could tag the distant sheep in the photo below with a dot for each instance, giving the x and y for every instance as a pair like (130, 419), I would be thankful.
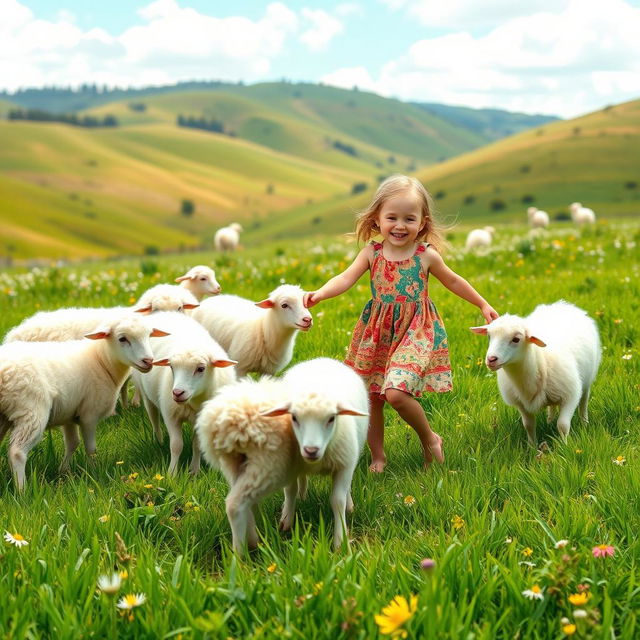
(69, 384)
(189, 368)
(479, 238)
(271, 434)
(581, 215)
(227, 238)
(260, 335)
(200, 281)
(548, 359)
(539, 219)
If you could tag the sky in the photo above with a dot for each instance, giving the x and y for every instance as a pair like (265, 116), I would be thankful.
(557, 57)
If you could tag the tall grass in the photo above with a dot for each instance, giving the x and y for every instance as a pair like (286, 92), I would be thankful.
(490, 517)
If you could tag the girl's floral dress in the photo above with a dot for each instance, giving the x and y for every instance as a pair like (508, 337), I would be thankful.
(400, 341)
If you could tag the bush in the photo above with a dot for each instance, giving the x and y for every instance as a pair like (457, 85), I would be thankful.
(562, 215)
(525, 168)
(527, 198)
(439, 195)
(187, 207)
(316, 220)
(497, 204)
(149, 267)
(358, 187)
(470, 199)
(631, 184)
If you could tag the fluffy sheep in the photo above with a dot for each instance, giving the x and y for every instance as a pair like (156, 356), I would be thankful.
(260, 336)
(538, 218)
(227, 238)
(479, 238)
(548, 359)
(190, 367)
(271, 434)
(69, 384)
(581, 215)
(200, 281)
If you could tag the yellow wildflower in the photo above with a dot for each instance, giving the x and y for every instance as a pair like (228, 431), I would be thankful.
(579, 599)
(394, 616)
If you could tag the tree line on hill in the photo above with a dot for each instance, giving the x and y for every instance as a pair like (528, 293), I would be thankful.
(208, 124)
(38, 115)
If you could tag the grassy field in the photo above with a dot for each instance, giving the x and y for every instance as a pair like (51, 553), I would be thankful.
(491, 517)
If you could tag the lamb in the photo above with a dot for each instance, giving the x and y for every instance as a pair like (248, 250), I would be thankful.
(200, 281)
(550, 358)
(479, 238)
(69, 384)
(581, 215)
(261, 335)
(189, 367)
(227, 238)
(537, 217)
(271, 434)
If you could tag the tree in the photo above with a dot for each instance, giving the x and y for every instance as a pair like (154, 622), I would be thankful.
(187, 208)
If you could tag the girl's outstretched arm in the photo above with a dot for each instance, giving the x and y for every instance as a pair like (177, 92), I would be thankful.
(343, 281)
(457, 284)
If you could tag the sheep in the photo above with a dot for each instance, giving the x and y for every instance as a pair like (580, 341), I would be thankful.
(581, 215)
(200, 281)
(479, 238)
(550, 358)
(261, 335)
(270, 434)
(538, 218)
(227, 238)
(69, 384)
(188, 369)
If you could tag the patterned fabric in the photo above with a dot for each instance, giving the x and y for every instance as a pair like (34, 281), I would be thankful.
(400, 341)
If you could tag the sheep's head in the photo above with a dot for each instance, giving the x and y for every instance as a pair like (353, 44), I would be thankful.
(314, 418)
(166, 297)
(129, 339)
(287, 302)
(201, 281)
(191, 371)
(508, 339)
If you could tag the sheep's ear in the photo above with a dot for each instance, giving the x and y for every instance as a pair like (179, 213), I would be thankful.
(482, 330)
(266, 304)
(184, 277)
(101, 334)
(284, 410)
(537, 341)
(345, 410)
(158, 333)
(190, 305)
(143, 309)
(223, 363)
(162, 363)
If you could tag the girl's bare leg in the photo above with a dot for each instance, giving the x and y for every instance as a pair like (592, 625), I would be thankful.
(375, 435)
(412, 413)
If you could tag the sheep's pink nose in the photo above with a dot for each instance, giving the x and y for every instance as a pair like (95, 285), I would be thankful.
(178, 394)
(307, 320)
(147, 362)
(311, 452)
(492, 359)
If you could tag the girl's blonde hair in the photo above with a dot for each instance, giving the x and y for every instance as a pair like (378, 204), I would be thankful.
(367, 220)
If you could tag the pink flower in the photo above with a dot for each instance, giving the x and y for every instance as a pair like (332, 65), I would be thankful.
(427, 564)
(603, 551)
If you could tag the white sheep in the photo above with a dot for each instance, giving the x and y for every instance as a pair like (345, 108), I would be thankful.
(479, 238)
(271, 434)
(189, 367)
(227, 238)
(581, 215)
(200, 281)
(260, 335)
(548, 359)
(539, 219)
(69, 384)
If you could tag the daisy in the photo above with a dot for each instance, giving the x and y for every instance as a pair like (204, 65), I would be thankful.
(131, 600)
(409, 501)
(395, 614)
(109, 584)
(599, 551)
(620, 460)
(561, 544)
(535, 593)
(15, 539)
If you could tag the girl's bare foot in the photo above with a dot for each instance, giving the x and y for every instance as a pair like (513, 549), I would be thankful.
(435, 450)
(377, 465)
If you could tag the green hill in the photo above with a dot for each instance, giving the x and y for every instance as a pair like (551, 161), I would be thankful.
(593, 159)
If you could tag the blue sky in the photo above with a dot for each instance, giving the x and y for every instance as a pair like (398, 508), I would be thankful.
(562, 57)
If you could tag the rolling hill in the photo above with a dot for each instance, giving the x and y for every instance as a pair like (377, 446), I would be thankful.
(593, 159)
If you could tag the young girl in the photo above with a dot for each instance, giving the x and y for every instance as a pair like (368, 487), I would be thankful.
(399, 345)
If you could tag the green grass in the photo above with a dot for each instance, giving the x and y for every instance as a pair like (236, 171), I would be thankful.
(294, 586)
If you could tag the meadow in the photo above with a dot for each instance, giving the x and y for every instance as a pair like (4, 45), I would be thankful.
(512, 532)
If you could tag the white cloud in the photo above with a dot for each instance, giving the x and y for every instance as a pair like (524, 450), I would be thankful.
(565, 62)
(350, 77)
(324, 27)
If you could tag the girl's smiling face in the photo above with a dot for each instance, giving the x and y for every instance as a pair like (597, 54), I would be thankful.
(400, 219)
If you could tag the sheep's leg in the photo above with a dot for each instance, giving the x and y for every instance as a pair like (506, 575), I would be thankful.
(529, 423)
(289, 506)
(252, 532)
(564, 417)
(349, 503)
(154, 418)
(550, 413)
(303, 483)
(124, 394)
(71, 442)
(88, 431)
(339, 494)
(135, 401)
(194, 467)
(175, 442)
(24, 436)
(239, 505)
(583, 411)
